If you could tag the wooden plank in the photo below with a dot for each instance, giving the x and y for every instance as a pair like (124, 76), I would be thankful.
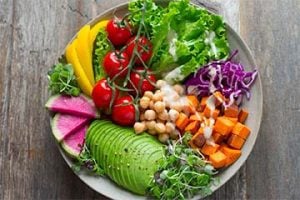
(271, 29)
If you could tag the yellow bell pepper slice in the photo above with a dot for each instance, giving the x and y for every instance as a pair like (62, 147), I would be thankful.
(84, 53)
(82, 79)
(94, 32)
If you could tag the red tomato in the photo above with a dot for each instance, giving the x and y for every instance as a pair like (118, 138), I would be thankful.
(116, 62)
(102, 94)
(144, 47)
(118, 31)
(135, 78)
(123, 112)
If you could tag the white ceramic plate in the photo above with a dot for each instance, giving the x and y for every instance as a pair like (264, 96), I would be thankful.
(106, 187)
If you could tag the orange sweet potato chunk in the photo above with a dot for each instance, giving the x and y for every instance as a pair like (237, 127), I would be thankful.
(218, 137)
(219, 98)
(235, 141)
(243, 115)
(218, 159)
(232, 111)
(223, 126)
(231, 154)
(192, 127)
(197, 117)
(182, 121)
(207, 113)
(203, 103)
(198, 140)
(241, 130)
(209, 149)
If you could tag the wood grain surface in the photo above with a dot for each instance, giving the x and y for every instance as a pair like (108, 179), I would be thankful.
(33, 34)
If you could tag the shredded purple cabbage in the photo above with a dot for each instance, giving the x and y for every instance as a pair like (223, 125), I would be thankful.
(228, 77)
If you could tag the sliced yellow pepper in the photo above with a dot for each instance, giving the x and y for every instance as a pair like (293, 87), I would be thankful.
(94, 32)
(84, 52)
(82, 79)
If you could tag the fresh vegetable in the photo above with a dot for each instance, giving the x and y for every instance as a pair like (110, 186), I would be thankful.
(102, 47)
(84, 52)
(78, 106)
(82, 78)
(130, 160)
(144, 49)
(142, 80)
(103, 94)
(124, 112)
(64, 125)
(184, 173)
(73, 143)
(116, 63)
(118, 31)
(95, 31)
(228, 77)
(62, 80)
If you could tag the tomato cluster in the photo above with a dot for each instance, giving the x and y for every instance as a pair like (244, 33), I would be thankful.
(127, 61)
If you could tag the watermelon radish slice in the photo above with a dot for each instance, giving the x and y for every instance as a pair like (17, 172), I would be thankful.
(79, 106)
(64, 125)
(73, 144)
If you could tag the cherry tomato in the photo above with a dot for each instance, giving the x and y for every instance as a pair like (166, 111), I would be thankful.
(102, 94)
(118, 31)
(144, 47)
(135, 78)
(123, 112)
(115, 63)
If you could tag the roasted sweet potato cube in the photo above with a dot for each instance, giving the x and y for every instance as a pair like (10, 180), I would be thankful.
(241, 130)
(235, 141)
(196, 117)
(209, 149)
(218, 159)
(233, 119)
(193, 101)
(192, 127)
(231, 154)
(231, 111)
(182, 121)
(219, 98)
(218, 137)
(243, 114)
(198, 139)
(203, 103)
(223, 126)
(207, 113)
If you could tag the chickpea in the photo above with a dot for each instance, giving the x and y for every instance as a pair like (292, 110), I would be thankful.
(163, 138)
(159, 106)
(176, 106)
(152, 131)
(175, 96)
(160, 83)
(173, 114)
(179, 89)
(139, 127)
(150, 114)
(160, 128)
(148, 94)
(163, 115)
(150, 125)
(142, 116)
(144, 102)
(174, 134)
(151, 105)
(170, 127)
(158, 96)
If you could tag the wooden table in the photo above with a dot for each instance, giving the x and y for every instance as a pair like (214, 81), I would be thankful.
(33, 34)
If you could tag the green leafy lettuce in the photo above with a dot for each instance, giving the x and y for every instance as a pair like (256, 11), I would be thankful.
(184, 37)
(101, 47)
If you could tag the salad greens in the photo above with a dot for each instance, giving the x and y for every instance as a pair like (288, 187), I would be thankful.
(102, 47)
(62, 80)
(184, 36)
(184, 173)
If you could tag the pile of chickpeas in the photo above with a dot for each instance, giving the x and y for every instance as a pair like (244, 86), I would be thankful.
(157, 114)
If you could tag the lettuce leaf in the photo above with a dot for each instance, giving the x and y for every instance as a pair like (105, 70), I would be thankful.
(101, 47)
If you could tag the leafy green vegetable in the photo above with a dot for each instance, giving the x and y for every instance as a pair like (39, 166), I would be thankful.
(184, 173)
(183, 36)
(85, 160)
(149, 11)
(102, 47)
(62, 80)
